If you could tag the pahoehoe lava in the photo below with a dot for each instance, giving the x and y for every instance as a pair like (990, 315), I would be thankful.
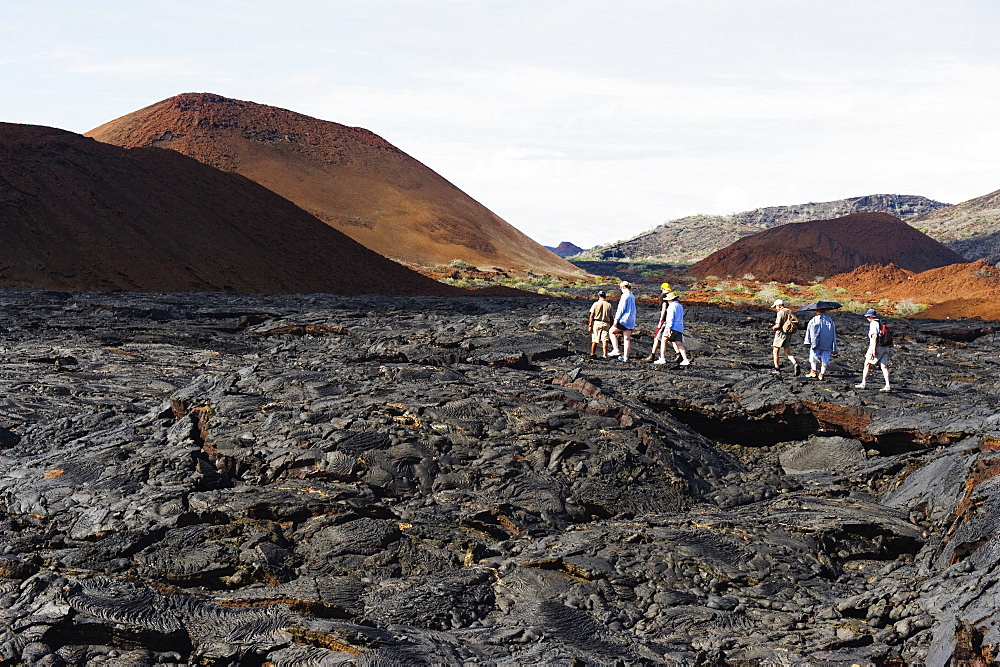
(314, 480)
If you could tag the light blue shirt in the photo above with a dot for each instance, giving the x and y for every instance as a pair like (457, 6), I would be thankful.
(626, 310)
(821, 334)
(675, 315)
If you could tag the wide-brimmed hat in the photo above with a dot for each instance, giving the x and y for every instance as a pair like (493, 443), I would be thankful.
(871, 313)
(626, 284)
(670, 296)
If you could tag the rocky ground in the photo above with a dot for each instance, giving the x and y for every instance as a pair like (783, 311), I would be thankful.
(222, 479)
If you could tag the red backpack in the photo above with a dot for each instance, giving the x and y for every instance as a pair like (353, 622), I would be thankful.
(884, 337)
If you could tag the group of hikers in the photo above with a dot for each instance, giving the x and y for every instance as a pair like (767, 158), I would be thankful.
(605, 328)
(607, 324)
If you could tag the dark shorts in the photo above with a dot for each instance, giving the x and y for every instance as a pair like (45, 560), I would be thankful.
(675, 336)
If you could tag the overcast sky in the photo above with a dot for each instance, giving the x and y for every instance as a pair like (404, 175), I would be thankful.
(575, 120)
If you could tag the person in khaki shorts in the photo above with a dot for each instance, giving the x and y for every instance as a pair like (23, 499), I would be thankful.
(782, 339)
(599, 324)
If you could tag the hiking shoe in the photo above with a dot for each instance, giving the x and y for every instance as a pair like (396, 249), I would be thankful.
(796, 370)
(686, 362)
(860, 386)
(623, 358)
(811, 374)
(886, 388)
(819, 377)
(649, 358)
(661, 360)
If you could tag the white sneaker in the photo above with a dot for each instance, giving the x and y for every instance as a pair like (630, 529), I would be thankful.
(623, 358)
(886, 388)
(661, 360)
(686, 362)
(860, 386)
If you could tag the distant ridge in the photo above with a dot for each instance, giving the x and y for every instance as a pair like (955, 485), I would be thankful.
(77, 214)
(803, 251)
(692, 238)
(350, 178)
(971, 228)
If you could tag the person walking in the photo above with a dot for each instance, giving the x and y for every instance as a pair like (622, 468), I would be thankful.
(599, 323)
(624, 322)
(674, 325)
(876, 354)
(784, 326)
(660, 334)
(821, 337)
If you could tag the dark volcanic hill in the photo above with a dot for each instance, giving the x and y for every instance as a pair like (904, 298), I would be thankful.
(348, 177)
(79, 214)
(971, 228)
(694, 237)
(565, 249)
(800, 252)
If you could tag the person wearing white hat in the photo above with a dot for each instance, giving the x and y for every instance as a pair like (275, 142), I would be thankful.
(784, 324)
(674, 325)
(661, 328)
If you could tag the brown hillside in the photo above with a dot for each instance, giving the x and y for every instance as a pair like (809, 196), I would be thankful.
(348, 177)
(975, 280)
(801, 252)
(79, 214)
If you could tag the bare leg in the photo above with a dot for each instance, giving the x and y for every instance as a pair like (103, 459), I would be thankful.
(681, 350)
(627, 344)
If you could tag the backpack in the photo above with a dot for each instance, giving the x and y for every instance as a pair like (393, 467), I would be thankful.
(791, 324)
(884, 337)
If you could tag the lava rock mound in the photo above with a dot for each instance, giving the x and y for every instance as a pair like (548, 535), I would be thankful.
(288, 480)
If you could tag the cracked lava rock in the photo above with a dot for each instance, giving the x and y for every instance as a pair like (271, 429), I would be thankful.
(317, 480)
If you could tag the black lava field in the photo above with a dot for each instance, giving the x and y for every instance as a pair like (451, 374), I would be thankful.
(218, 479)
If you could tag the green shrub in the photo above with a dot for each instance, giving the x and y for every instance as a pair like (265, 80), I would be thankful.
(740, 288)
(768, 293)
(907, 307)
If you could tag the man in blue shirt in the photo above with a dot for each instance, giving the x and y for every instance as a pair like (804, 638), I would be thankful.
(624, 322)
(821, 337)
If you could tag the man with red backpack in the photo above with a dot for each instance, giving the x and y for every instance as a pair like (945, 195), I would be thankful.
(879, 349)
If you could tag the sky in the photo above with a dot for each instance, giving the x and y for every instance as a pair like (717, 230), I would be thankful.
(587, 121)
